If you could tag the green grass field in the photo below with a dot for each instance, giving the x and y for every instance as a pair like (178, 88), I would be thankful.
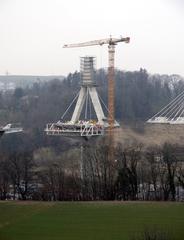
(88, 220)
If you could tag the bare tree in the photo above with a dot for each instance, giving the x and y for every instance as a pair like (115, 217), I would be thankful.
(170, 162)
(153, 158)
(128, 159)
(21, 174)
(180, 175)
(4, 178)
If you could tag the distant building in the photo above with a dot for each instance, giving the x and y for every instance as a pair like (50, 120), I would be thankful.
(7, 86)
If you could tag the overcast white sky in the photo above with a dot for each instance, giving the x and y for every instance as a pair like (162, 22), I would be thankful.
(32, 33)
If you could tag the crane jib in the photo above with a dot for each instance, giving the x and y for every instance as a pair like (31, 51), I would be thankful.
(109, 41)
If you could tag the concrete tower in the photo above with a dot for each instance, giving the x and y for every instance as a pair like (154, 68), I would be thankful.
(82, 127)
(88, 89)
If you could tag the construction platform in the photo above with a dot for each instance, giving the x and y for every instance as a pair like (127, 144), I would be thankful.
(79, 129)
(10, 128)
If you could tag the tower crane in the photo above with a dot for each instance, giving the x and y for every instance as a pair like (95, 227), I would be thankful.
(111, 42)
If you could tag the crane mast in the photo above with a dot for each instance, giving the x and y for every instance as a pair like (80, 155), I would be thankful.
(111, 90)
(111, 42)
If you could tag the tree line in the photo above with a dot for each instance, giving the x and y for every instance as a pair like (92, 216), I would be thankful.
(155, 173)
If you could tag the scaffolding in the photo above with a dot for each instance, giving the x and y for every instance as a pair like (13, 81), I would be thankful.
(87, 70)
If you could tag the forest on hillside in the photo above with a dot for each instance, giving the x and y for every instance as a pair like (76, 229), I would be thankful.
(36, 166)
(138, 96)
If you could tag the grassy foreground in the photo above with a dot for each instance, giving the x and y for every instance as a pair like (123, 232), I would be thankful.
(87, 220)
